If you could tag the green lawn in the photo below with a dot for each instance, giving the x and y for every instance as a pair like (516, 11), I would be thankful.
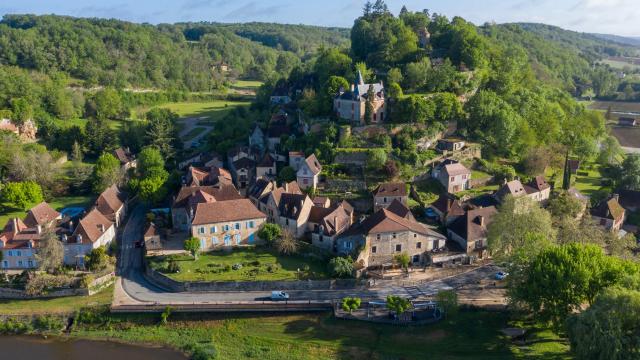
(247, 84)
(58, 204)
(64, 305)
(258, 264)
(213, 110)
(429, 190)
(469, 335)
(113, 124)
(588, 181)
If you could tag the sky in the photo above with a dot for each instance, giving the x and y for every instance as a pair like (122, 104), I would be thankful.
(619, 17)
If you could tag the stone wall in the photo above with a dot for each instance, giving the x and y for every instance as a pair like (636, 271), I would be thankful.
(210, 286)
(95, 286)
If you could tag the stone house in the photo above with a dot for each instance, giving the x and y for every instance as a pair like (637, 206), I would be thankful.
(537, 190)
(450, 144)
(386, 234)
(452, 175)
(266, 168)
(26, 131)
(293, 213)
(125, 157)
(350, 105)
(227, 223)
(469, 231)
(386, 193)
(206, 176)
(609, 214)
(327, 223)
(308, 173)
(152, 238)
(296, 158)
(184, 204)
(270, 204)
(448, 208)
(256, 139)
(243, 172)
(93, 231)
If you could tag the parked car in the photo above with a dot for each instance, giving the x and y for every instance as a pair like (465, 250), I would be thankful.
(279, 296)
(501, 275)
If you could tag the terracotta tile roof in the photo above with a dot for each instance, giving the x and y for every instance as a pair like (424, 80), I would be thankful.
(399, 209)
(318, 213)
(313, 164)
(384, 221)
(151, 231)
(207, 176)
(335, 222)
(293, 187)
(448, 204)
(224, 211)
(321, 201)
(41, 214)
(473, 225)
(221, 192)
(110, 201)
(513, 188)
(391, 189)
(609, 209)
(456, 169)
(123, 155)
(91, 227)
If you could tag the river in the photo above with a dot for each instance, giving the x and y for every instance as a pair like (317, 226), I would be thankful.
(32, 347)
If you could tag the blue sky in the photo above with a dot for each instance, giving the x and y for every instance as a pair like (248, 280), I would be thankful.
(620, 17)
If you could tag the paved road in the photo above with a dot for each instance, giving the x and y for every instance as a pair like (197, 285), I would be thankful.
(139, 288)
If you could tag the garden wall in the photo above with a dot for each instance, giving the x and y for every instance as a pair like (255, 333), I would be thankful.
(208, 286)
(95, 286)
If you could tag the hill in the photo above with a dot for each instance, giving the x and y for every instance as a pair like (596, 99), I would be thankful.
(624, 40)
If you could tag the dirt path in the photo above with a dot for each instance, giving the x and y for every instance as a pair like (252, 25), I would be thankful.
(189, 124)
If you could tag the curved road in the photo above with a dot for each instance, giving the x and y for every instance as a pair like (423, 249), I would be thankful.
(136, 286)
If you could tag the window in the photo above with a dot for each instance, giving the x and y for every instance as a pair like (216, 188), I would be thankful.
(398, 248)
(419, 245)
(464, 177)
(415, 235)
(201, 230)
(226, 227)
(214, 240)
(378, 237)
(393, 235)
(19, 253)
(19, 263)
(384, 200)
(452, 179)
(348, 245)
(286, 221)
(374, 249)
(249, 224)
(10, 253)
(416, 259)
(213, 230)
(321, 238)
(5, 264)
(305, 181)
(237, 226)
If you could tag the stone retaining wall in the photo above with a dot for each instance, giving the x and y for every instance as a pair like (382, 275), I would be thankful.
(95, 286)
(212, 286)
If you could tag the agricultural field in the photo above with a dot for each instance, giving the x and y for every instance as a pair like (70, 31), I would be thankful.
(256, 264)
(627, 136)
(622, 106)
(621, 63)
(247, 84)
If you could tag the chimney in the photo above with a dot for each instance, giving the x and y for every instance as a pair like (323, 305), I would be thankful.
(353, 87)
(480, 220)
(71, 225)
(39, 229)
(15, 226)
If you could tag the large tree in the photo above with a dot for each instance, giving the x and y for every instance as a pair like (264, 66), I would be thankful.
(21, 195)
(50, 254)
(161, 132)
(106, 172)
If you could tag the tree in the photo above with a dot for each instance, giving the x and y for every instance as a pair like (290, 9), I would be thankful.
(536, 160)
(521, 227)
(350, 304)
(561, 279)
(394, 76)
(492, 121)
(610, 151)
(97, 259)
(108, 104)
(161, 132)
(608, 329)
(151, 163)
(391, 169)
(152, 189)
(368, 106)
(287, 243)
(192, 245)
(269, 233)
(331, 88)
(376, 158)
(447, 300)
(629, 173)
(402, 259)
(398, 305)
(22, 195)
(287, 174)
(106, 172)
(98, 136)
(77, 153)
(564, 205)
(341, 267)
(50, 254)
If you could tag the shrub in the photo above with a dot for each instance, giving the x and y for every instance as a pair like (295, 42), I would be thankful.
(341, 267)
(287, 244)
(173, 267)
(42, 283)
(269, 233)
(164, 317)
(236, 266)
(48, 323)
(351, 304)
(86, 281)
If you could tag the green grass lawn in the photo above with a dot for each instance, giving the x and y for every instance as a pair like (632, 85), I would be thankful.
(429, 190)
(58, 204)
(469, 335)
(247, 84)
(258, 264)
(64, 305)
(113, 124)
(588, 181)
(213, 110)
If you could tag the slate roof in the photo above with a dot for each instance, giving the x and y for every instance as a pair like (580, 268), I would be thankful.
(609, 209)
(291, 205)
(258, 188)
(225, 211)
(267, 161)
(448, 204)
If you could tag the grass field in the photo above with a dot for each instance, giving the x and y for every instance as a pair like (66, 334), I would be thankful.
(469, 335)
(247, 84)
(588, 181)
(620, 64)
(193, 133)
(56, 203)
(213, 110)
(113, 124)
(64, 305)
(257, 264)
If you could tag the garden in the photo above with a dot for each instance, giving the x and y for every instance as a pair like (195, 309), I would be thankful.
(242, 264)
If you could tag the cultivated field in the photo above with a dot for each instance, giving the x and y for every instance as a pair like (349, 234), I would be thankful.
(621, 106)
(627, 136)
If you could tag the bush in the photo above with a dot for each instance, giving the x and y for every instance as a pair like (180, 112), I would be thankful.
(42, 283)
(269, 233)
(341, 267)
(86, 281)
(48, 323)
(173, 267)
(236, 266)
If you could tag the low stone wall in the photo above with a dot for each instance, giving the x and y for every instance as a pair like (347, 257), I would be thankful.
(213, 286)
(95, 286)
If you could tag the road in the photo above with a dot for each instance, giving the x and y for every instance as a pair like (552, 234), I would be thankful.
(190, 124)
(140, 290)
